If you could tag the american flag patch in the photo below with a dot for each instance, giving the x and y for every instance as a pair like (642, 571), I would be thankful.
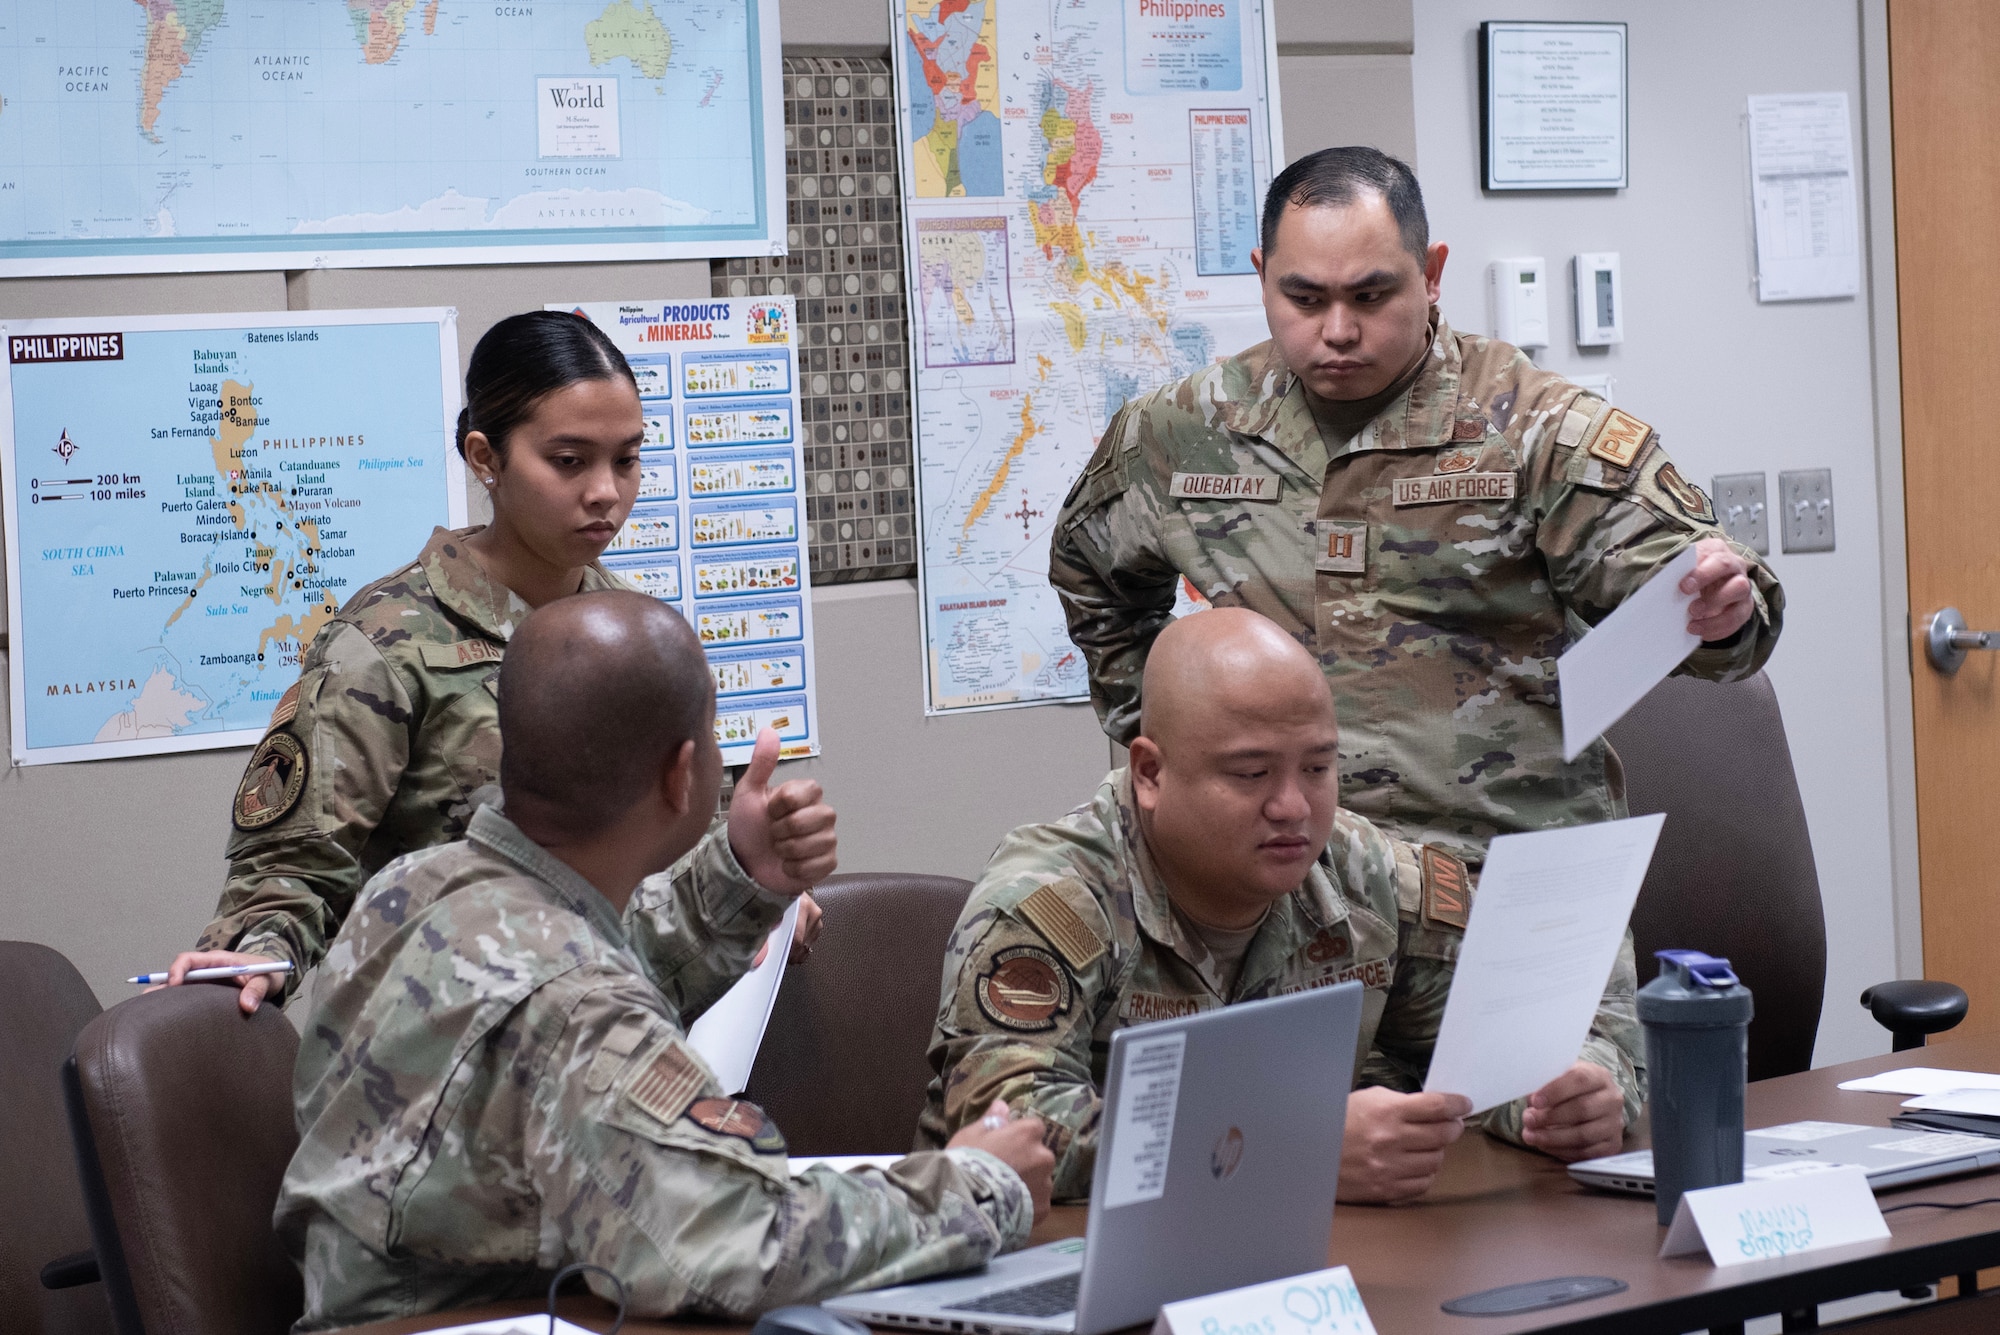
(1052, 916)
(668, 1084)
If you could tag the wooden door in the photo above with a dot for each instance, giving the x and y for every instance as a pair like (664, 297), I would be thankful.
(1944, 69)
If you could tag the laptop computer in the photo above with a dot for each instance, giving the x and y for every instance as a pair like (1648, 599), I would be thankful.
(1891, 1156)
(1218, 1156)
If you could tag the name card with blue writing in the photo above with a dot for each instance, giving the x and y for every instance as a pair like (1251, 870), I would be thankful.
(1774, 1216)
(1322, 1303)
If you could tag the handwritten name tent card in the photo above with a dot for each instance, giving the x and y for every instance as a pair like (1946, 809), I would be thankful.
(1324, 1302)
(1818, 1207)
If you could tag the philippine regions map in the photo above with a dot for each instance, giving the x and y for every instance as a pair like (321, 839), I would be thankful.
(169, 135)
(190, 498)
(1083, 179)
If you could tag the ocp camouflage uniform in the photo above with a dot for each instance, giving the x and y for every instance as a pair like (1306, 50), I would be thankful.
(384, 745)
(1438, 563)
(1070, 936)
(492, 1085)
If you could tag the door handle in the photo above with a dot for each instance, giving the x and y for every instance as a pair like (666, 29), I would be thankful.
(1946, 640)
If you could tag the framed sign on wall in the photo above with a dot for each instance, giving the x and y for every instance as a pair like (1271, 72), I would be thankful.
(1552, 106)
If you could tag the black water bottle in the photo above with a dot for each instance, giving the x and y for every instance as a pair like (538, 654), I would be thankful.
(1697, 1019)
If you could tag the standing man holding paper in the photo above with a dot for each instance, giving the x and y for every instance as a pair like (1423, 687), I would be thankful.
(1428, 512)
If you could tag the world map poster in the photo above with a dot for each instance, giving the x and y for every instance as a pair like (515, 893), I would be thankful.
(1082, 185)
(190, 498)
(168, 135)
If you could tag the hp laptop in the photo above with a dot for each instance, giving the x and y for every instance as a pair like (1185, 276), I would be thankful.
(1892, 1156)
(1218, 1155)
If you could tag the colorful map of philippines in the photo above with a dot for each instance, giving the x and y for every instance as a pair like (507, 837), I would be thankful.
(954, 120)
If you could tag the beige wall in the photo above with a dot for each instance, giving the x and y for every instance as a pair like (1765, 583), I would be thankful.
(117, 863)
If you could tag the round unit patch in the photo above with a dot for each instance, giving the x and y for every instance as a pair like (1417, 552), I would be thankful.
(272, 783)
(1023, 988)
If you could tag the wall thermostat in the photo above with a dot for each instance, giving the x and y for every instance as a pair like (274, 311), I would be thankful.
(1600, 299)
(1517, 301)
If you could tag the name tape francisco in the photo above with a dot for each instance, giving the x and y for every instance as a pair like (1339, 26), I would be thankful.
(66, 348)
(1236, 486)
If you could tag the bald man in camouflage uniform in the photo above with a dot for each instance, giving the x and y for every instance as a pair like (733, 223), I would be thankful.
(494, 1084)
(1073, 933)
(1427, 511)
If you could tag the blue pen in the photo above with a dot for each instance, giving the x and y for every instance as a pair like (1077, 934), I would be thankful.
(210, 975)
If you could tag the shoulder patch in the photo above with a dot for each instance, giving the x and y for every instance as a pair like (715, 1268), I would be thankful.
(1050, 914)
(1447, 889)
(667, 1085)
(1692, 500)
(1023, 988)
(462, 653)
(288, 708)
(619, 1045)
(272, 782)
(1620, 438)
(744, 1121)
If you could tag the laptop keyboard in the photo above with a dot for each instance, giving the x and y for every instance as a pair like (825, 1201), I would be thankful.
(1045, 1297)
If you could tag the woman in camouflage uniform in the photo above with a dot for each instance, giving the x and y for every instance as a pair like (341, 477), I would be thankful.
(389, 740)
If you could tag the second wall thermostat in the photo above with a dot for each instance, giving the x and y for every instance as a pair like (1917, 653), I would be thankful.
(1600, 299)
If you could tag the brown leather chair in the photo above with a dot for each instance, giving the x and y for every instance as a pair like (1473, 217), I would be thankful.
(43, 1003)
(180, 1107)
(1733, 874)
(842, 1069)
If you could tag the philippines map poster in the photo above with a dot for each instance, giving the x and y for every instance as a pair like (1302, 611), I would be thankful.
(718, 532)
(189, 498)
(1082, 183)
(171, 135)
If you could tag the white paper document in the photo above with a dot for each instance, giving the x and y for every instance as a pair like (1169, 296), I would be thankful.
(1609, 670)
(729, 1033)
(1979, 1102)
(1546, 922)
(1149, 1093)
(841, 1163)
(1802, 188)
(1921, 1080)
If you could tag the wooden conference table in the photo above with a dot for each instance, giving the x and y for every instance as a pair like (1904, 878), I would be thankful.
(1498, 1215)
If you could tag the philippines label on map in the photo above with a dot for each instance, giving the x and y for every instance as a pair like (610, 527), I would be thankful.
(168, 135)
(718, 530)
(1083, 180)
(190, 498)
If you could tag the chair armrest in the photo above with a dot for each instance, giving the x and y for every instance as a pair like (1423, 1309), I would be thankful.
(72, 1271)
(1916, 1005)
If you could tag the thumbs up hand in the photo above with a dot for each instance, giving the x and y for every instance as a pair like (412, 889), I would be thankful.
(782, 836)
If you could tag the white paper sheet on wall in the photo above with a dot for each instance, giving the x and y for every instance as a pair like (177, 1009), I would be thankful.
(1802, 186)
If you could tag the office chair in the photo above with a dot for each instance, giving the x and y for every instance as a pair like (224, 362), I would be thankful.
(47, 1273)
(180, 1110)
(843, 1069)
(1734, 872)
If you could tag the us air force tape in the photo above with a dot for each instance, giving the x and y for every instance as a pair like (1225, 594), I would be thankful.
(272, 782)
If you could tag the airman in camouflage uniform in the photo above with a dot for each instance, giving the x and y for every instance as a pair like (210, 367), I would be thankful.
(384, 745)
(1070, 935)
(492, 1086)
(1437, 563)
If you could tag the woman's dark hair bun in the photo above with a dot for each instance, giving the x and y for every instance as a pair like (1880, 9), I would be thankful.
(523, 358)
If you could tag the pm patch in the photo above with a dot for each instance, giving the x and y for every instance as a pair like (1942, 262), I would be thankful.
(1621, 438)
(1447, 889)
(272, 782)
(744, 1121)
(1692, 500)
(1050, 914)
(1023, 988)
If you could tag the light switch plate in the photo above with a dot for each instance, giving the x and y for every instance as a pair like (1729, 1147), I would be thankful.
(1740, 509)
(1805, 509)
